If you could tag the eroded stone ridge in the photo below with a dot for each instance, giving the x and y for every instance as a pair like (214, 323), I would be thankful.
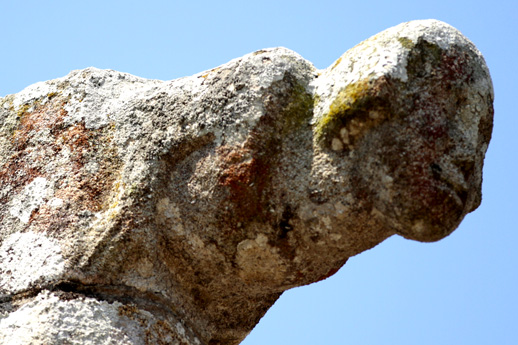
(138, 211)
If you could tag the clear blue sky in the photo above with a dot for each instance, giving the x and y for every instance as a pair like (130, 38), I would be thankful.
(461, 290)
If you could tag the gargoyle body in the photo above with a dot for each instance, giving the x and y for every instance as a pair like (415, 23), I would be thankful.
(138, 211)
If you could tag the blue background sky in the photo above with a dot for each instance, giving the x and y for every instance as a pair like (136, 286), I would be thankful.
(461, 290)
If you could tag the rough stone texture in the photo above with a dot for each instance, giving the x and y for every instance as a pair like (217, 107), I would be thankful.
(138, 211)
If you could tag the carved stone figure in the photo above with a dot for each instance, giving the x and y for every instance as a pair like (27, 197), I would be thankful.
(138, 211)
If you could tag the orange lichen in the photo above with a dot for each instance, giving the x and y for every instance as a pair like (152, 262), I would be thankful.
(29, 159)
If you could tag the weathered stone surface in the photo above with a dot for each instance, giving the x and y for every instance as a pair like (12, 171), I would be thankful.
(138, 211)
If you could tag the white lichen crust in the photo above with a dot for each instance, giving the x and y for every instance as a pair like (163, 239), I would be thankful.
(28, 259)
(61, 319)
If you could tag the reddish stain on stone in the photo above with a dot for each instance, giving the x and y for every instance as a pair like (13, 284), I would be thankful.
(79, 189)
(246, 177)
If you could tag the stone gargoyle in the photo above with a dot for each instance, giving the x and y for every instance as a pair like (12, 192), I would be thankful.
(137, 211)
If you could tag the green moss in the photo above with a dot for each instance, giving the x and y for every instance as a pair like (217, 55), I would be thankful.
(345, 103)
(406, 42)
(25, 108)
(316, 100)
(299, 109)
(423, 54)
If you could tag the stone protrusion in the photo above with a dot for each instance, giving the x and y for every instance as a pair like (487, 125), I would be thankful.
(144, 211)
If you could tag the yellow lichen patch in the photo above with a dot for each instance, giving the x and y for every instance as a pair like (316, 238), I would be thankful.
(261, 51)
(51, 95)
(346, 100)
(113, 204)
(118, 189)
(337, 62)
(353, 112)
(22, 110)
(206, 75)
